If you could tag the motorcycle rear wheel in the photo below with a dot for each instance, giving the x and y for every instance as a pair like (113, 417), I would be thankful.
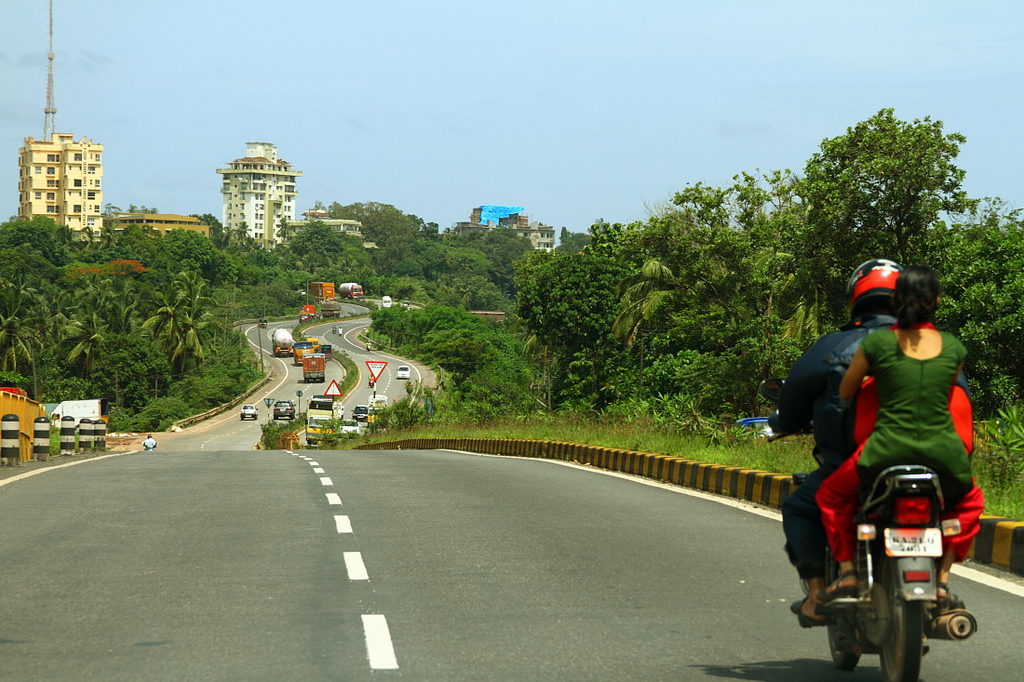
(903, 645)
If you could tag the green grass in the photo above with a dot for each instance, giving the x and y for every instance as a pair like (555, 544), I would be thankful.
(732, 448)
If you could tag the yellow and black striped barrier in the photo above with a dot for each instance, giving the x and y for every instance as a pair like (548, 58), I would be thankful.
(1000, 541)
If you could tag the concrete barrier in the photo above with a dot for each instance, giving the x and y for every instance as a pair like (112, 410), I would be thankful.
(10, 442)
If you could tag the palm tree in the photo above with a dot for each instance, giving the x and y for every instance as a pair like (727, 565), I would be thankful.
(641, 294)
(91, 331)
(17, 323)
(180, 320)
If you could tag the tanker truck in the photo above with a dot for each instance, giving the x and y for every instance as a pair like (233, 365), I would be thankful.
(283, 342)
(349, 290)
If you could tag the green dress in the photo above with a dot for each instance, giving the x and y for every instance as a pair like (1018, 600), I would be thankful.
(914, 425)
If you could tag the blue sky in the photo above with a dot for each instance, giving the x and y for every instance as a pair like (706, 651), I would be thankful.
(576, 111)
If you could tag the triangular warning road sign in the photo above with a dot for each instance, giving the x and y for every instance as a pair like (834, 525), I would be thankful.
(375, 367)
(334, 391)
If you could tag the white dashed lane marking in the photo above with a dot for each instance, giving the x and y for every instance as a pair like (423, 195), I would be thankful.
(334, 499)
(343, 523)
(355, 566)
(378, 642)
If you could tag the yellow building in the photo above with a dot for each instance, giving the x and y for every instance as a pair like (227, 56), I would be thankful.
(161, 222)
(61, 179)
(259, 190)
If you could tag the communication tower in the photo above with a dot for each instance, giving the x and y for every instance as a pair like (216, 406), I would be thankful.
(50, 125)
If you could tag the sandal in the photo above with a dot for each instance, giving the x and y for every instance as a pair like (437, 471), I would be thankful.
(802, 618)
(839, 591)
(946, 600)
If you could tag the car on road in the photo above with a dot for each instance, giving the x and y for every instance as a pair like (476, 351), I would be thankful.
(284, 409)
(402, 372)
(349, 426)
(262, 323)
(360, 412)
(249, 412)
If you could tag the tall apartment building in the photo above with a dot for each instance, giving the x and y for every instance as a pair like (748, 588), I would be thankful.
(259, 189)
(61, 179)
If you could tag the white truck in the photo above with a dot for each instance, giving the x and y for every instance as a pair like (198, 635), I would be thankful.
(80, 409)
(283, 343)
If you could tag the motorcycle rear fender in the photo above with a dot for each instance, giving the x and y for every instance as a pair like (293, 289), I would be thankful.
(917, 590)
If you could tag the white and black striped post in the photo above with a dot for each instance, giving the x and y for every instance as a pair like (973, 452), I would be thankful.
(41, 439)
(10, 443)
(67, 435)
(85, 435)
(99, 435)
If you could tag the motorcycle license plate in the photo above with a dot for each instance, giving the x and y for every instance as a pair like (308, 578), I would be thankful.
(913, 542)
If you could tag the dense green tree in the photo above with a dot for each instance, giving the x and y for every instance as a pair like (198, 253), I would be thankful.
(187, 250)
(566, 302)
(39, 235)
(873, 193)
(572, 242)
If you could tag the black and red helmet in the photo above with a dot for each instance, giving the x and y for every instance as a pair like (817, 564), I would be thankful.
(872, 278)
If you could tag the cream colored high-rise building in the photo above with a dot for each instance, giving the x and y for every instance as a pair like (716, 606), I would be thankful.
(62, 179)
(260, 190)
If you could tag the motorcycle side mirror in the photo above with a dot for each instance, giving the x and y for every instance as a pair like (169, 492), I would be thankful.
(771, 389)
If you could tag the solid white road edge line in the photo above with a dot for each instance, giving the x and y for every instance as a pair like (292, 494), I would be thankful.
(959, 570)
(355, 566)
(378, 642)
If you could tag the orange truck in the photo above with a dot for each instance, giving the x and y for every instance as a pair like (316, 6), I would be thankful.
(322, 291)
(313, 368)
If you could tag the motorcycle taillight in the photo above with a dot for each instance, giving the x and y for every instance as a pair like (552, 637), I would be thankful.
(912, 511)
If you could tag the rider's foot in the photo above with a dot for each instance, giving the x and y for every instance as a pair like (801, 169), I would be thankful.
(804, 611)
(846, 585)
(946, 600)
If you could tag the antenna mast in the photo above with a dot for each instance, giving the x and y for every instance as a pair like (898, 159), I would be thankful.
(50, 125)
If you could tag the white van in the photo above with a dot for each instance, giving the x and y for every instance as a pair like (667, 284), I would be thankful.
(385, 302)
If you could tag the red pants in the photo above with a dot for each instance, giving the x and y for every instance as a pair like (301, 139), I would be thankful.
(838, 499)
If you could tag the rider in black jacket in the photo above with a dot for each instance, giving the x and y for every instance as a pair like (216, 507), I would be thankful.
(811, 393)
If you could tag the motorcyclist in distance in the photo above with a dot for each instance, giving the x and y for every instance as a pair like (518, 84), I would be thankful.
(811, 393)
(149, 443)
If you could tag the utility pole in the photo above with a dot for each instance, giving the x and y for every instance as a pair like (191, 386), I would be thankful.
(50, 124)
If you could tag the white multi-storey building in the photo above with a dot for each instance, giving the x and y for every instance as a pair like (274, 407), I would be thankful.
(62, 179)
(259, 189)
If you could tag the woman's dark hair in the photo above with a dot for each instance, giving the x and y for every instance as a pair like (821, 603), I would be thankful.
(916, 296)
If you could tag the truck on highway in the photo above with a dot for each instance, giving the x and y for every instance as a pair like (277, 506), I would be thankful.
(322, 291)
(80, 409)
(313, 368)
(330, 308)
(349, 290)
(300, 348)
(283, 343)
(319, 414)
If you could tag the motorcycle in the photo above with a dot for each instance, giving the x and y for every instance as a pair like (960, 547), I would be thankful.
(148, 446)
(899, 545)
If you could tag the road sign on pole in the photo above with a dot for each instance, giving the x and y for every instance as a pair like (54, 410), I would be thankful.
(375, 367)
(268, 401)
(334, 391)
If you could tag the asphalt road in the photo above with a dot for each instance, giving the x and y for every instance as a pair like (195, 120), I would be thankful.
(208, 560)
(425, 565)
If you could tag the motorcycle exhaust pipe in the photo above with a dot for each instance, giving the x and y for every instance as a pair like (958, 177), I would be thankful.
(958, 625)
